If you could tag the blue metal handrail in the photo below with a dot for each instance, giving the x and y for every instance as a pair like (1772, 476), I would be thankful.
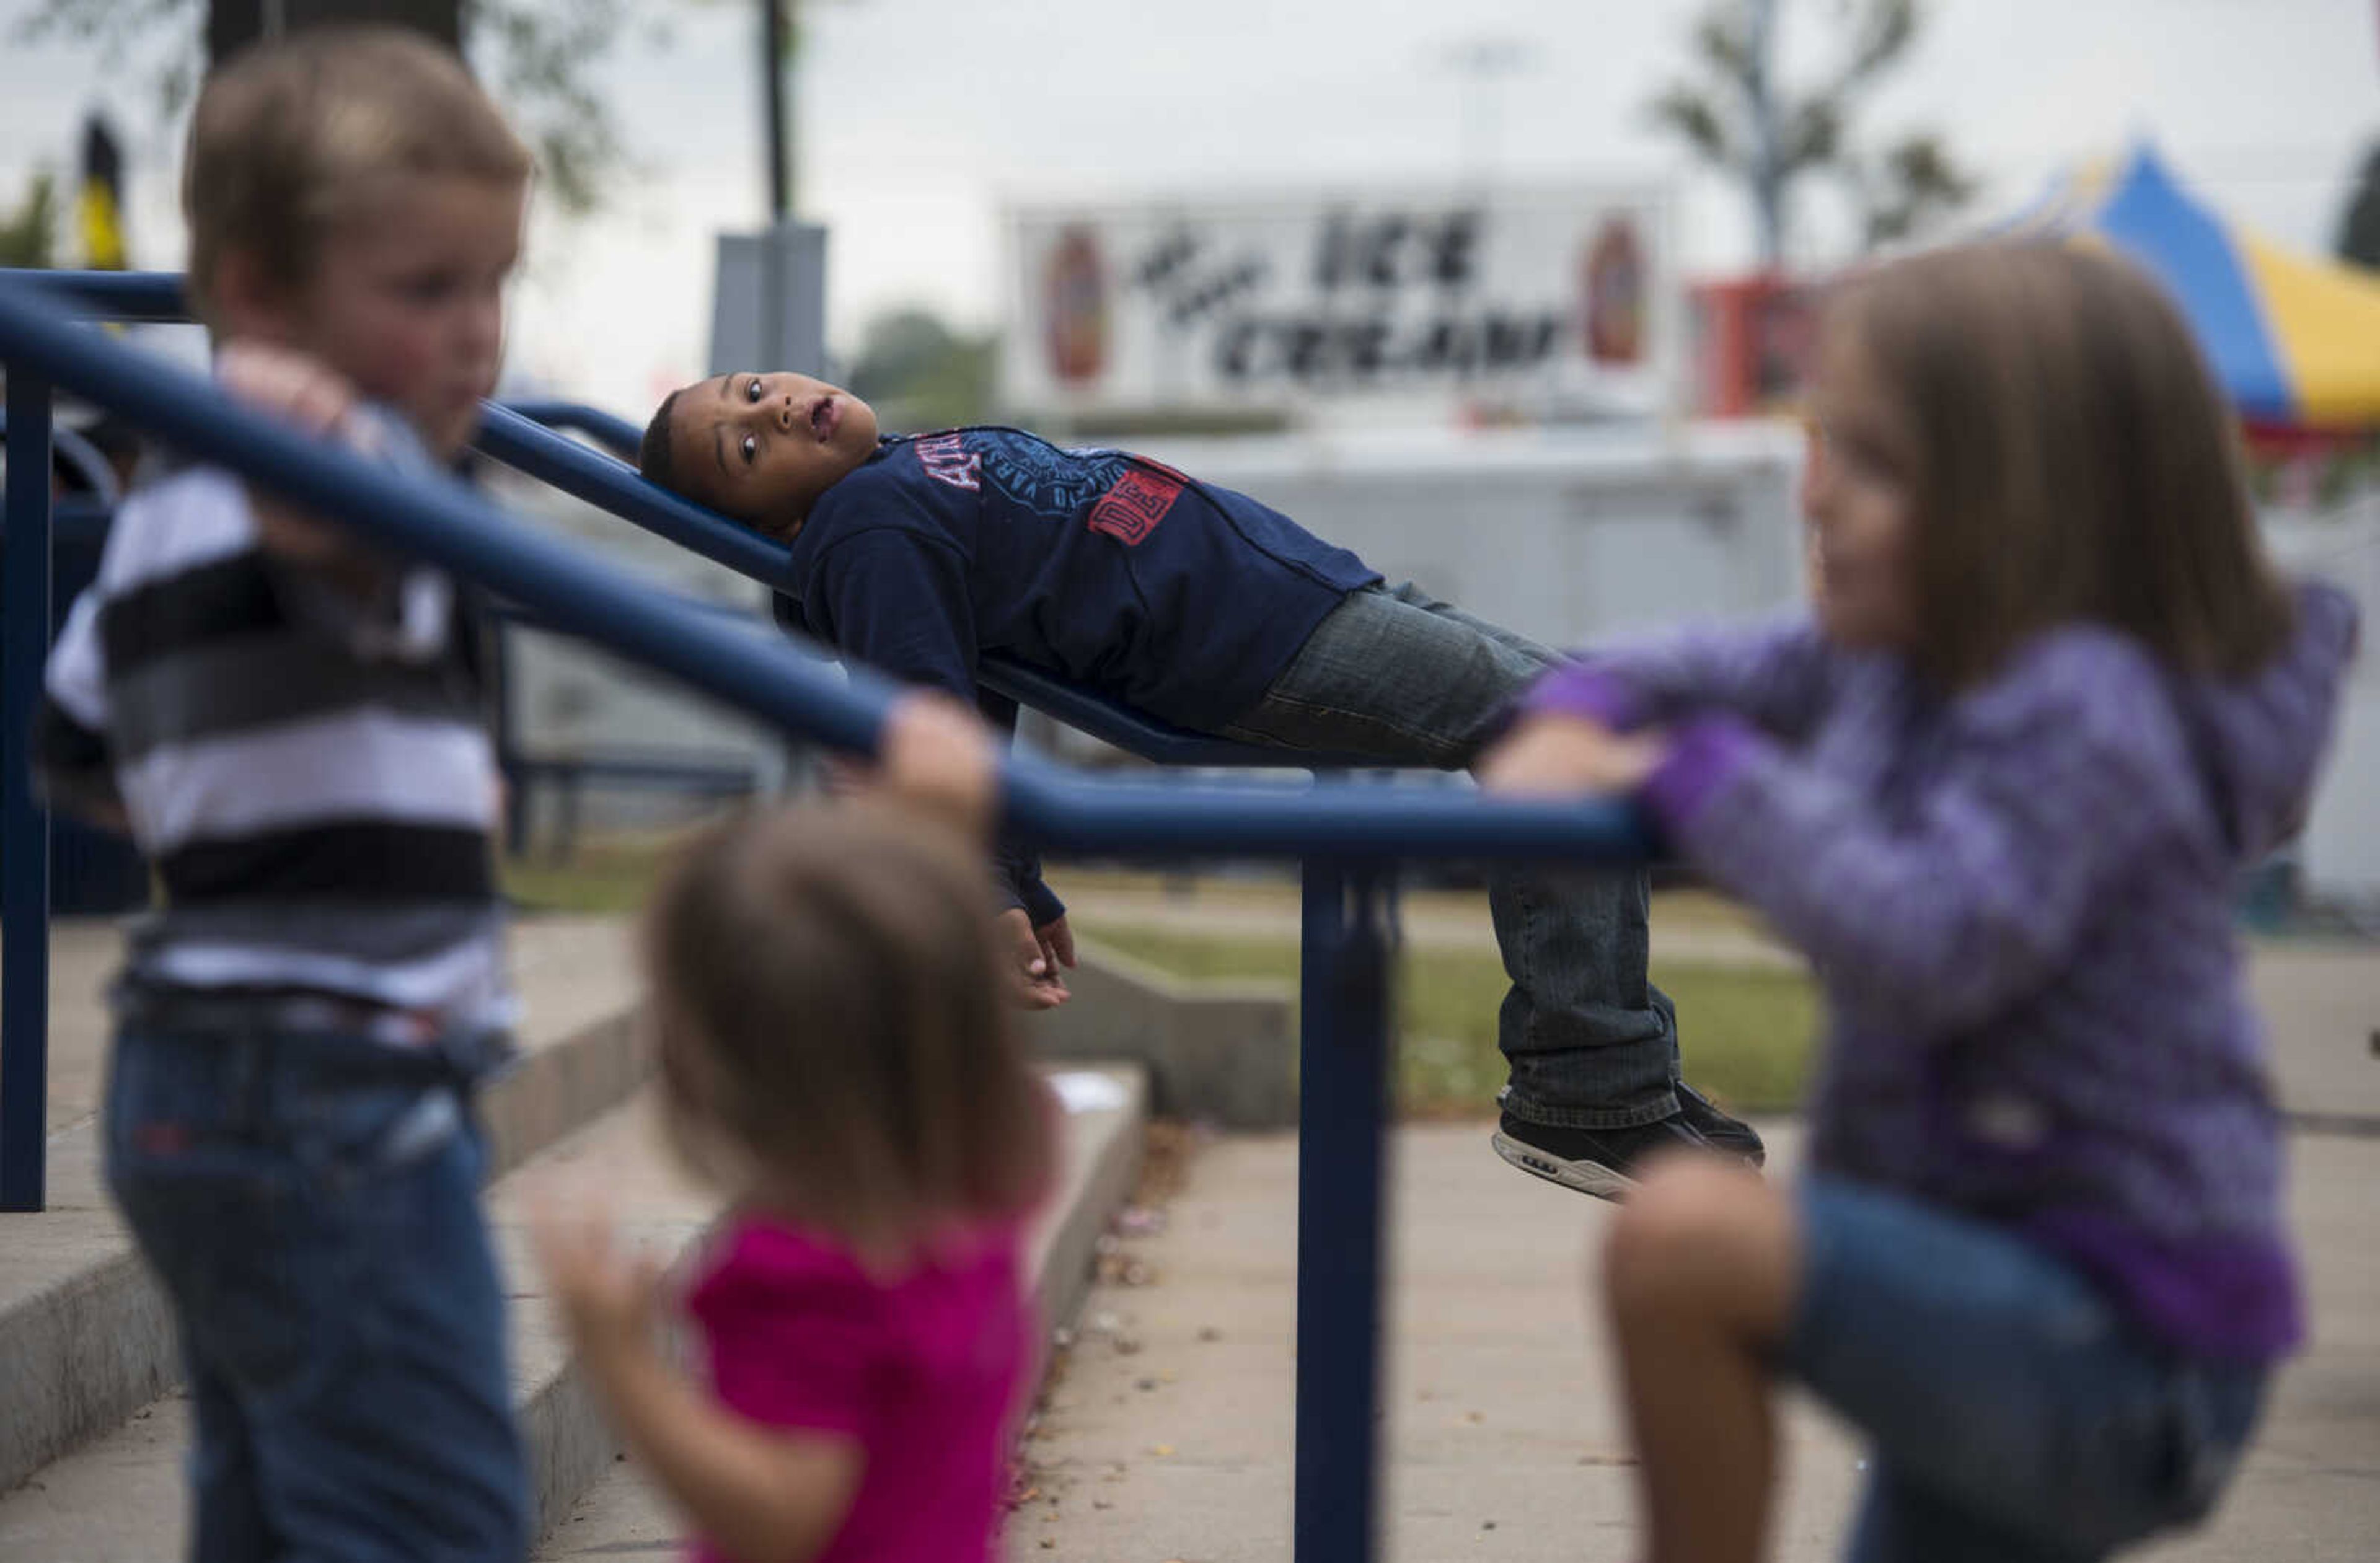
(137, 297)
(89, 467)
(614, 433)
(529, 447)
(1347, 836)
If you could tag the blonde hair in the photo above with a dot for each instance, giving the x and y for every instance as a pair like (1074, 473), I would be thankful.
(2073, 460)
(825, 987)
(293, 137)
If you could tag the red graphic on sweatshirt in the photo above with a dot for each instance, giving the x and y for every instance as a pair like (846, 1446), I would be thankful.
(1130, 510)
(947, 460)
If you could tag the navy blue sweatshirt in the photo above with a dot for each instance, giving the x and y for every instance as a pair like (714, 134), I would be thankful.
(1177, 597)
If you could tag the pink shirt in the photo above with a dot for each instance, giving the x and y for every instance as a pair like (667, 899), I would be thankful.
(923, 1372)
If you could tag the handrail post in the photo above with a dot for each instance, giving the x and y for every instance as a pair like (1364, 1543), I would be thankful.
(1342, 1095)
(24, 823)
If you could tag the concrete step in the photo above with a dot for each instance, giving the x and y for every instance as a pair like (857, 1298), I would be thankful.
(120, 1499)
(622, 1517)
(85, 1339)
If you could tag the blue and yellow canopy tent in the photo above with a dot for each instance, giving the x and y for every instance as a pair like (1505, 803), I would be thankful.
(2294, 340)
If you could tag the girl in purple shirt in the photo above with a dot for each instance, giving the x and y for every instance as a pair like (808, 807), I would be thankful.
(832, 1049)
(2053, 700)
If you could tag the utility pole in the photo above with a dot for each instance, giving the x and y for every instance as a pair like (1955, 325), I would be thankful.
(233, 23)
(777, 28)
(1482, 62)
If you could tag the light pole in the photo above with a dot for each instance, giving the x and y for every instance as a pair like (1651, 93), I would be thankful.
(1482, 62)
(779, 27)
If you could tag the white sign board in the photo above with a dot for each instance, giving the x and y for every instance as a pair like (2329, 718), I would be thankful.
(1530, 301)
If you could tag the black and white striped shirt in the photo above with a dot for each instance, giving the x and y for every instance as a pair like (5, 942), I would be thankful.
(310, 774)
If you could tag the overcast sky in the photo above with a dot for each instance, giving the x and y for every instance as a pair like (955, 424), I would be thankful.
(919, 118)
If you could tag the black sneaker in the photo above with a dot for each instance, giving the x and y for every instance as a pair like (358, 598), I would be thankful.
(1727, 1136)
(1601, 1162)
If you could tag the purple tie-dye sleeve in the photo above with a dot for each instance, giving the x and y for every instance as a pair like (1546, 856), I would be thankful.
(1773, 675)
(2051, 781)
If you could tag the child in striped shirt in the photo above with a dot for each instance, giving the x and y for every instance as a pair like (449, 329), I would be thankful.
(288, 723)
(2053, 700)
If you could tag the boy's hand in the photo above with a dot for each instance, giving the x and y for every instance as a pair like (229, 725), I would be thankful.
(1057, 942)
(609, 1299)
(304, 391)
(1034, 979)
(938, 755)
(293, 385)
(1565, 756)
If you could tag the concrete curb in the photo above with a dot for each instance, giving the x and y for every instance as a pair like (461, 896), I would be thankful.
(1102, 1165)
(1225, 1053)
(86, 1338)
(554, 1092)
(568, 1440)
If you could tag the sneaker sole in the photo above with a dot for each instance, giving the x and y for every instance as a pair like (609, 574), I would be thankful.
(1591, 1178)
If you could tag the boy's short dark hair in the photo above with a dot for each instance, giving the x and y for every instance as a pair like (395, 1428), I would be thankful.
(653, 456)
(290, 135)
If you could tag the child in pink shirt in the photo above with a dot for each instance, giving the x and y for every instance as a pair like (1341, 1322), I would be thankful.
(832, 1047)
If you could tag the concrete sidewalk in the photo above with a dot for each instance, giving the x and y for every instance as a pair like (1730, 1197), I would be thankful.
(1170, 1434)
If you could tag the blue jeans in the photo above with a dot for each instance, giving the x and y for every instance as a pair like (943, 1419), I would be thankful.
(312, 1204)
(1591, 1043)
(2016, 1416)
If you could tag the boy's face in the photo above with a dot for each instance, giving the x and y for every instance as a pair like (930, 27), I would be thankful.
(763, 447)
(407, 300)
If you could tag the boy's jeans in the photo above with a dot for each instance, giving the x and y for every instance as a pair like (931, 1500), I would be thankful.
(311, 1206)
(2017, 1418)
(1591, 1043)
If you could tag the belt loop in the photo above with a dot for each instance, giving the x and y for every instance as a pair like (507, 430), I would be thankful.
(471, 1053)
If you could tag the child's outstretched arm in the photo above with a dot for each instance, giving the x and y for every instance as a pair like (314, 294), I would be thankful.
(762, 1495)
(329, 577)
(302, 389)
(1773, 675)
(896, 599)
(1550, 754)
(938, 756)
(2067, 768)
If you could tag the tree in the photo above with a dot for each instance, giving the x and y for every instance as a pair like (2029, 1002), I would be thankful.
(28, 235)
(538, 56)
(2359, 225)
(918, 373)
(1735, 115)
(232, 24)
(1908, 185)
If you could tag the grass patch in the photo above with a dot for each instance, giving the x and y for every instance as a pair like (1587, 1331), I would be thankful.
(607, 875)
(1748, 1031)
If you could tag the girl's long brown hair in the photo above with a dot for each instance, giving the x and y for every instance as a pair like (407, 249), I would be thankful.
(825, 987)
(2073, 460)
